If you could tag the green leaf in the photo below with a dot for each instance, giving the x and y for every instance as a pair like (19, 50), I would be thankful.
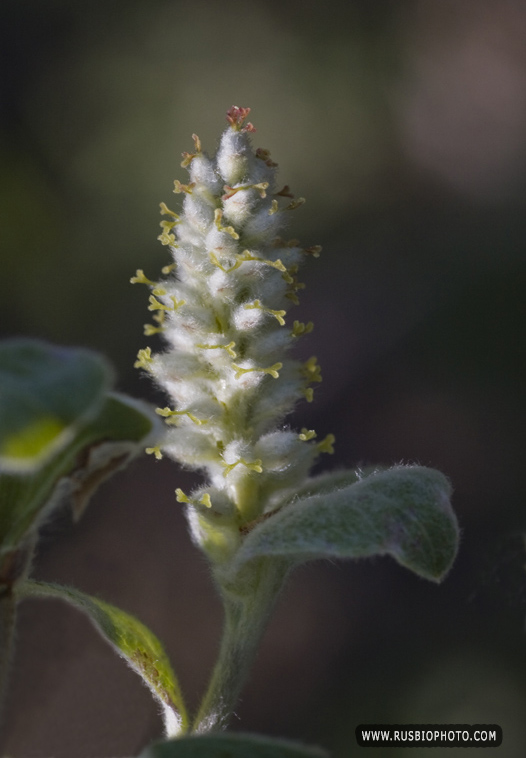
(45, 393)
(93, 434)
(105, 444)
(133, 641)
(404, 512)
(231, 746)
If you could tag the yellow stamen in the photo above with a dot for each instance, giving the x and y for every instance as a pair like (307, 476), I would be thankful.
(326, 445)
(228, 348)
(165, 211)
(178, 187)
(140, 278)
(150, 329)
(203, 500)
(256, 305)
(231, 191)
(253, 466)
(181, 497)
(156, 305)
(307, 434)
(272, 370)
(218, 215)
(154, 451)
(298, 328)
(166, 239)
(168, 413)
(144, 358)
(246, 255)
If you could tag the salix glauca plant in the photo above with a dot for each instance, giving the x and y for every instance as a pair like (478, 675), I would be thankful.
(222, 309)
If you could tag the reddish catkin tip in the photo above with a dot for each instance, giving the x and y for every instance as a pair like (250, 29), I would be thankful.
(236, 117)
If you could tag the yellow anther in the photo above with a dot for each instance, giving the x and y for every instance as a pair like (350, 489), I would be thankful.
(307, 434)
(298, 328)
(231, 191)
(188, 157)
(150, 329)
(144, 358)
(140, 278)
(167, 226)
(159, 291)
(246, 255)
(278, 264)
(309, 394)
(311, 370)
(256, 305)
(165, 211)
(156, 305)
(314, 250)
(272, 370)
(237, 264)
(168, 269)
(228, 348)
(253, 466)
(295, 204)
(168, 413)
(205, 500)
(218, 215)
(181, 497)
(178, 187)
(166, 239)
(327, 444)
(154, 451)
(274, 208)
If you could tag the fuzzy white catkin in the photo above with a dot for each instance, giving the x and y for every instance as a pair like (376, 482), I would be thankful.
(223, 311)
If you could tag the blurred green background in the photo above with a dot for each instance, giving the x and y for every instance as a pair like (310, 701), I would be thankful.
(403, 124)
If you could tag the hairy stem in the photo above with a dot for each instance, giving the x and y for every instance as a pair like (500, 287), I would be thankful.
(245, 620)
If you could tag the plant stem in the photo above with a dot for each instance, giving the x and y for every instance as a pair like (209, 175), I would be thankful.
(245, 619)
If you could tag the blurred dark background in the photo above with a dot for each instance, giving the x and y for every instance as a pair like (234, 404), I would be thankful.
(403, 123)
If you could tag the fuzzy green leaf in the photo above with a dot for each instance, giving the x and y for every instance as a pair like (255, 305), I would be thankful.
(99, 448)
(404, 512)
(133, 641)
(92, 434)
(46, 392)
(231, 746)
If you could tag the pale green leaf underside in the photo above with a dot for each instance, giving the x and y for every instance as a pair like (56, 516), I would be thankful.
(231, 746)
(132, 641)
(45, 393)
(404, 512)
